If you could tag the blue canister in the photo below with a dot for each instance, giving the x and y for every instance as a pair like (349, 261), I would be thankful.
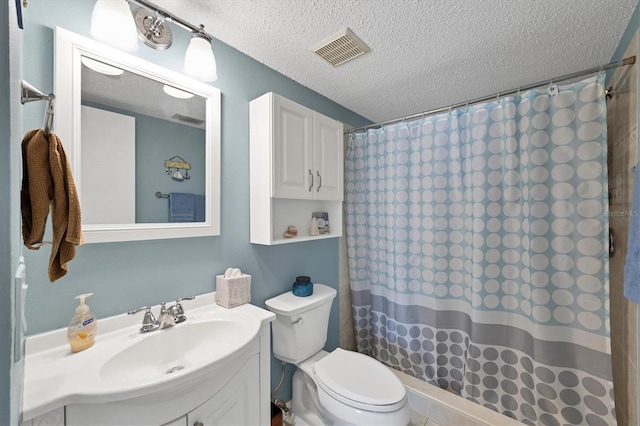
(303, 286)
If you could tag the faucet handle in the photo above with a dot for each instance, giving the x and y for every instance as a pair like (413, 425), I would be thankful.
(180, 316)
(148, 322)
(144, 308)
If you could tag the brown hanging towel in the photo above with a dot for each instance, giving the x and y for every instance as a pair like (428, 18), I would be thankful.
(47, 182)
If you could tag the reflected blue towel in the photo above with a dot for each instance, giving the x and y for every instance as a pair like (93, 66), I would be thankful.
(200, 208)
(182, 207)
(632, 264)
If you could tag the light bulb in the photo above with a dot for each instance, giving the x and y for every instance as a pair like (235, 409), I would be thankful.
(112, 24)
(176, 93)
(199, 61)
(101, 67)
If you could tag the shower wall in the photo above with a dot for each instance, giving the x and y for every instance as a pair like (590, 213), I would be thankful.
(622, 130)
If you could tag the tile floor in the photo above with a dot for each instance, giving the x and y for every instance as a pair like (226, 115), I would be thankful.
(420, 420)
(416, 420)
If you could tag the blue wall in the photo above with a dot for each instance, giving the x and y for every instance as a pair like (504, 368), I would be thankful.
(161, 140)
(5, 240)
(128, 275)
(634, 24)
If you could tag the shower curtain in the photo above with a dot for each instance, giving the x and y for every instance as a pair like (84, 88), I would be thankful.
(478, 257)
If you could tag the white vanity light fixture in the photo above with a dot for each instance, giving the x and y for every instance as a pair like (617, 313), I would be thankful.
(101, 67)
(150, 23)
(112, 24)
(199, 61)
(176, 93)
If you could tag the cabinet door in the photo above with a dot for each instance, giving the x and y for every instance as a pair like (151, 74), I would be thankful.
(328, 157)
(293, 153)
(52, 418)
(238, 403)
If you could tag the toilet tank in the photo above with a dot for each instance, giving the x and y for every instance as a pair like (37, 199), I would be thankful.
(300, 328)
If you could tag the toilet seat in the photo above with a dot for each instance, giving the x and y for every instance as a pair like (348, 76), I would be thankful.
(359, 381)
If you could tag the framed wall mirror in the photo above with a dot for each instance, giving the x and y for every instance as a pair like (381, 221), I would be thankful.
(143, 141)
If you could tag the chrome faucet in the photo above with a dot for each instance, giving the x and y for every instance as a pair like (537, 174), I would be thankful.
(168, 317)
(149, 322)
(178, 311)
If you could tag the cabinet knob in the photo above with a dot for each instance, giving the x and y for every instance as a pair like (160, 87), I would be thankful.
(311, 184)
(198, 424)
(319, 181)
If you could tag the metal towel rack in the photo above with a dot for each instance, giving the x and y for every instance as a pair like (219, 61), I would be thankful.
(31, 94)
(161, 195)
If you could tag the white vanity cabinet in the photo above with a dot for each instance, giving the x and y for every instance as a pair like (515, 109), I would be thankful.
(296, 168)
(232, 398)
(235, 404)
(52, 418)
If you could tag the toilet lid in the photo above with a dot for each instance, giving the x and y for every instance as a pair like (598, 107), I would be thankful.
(359, 378)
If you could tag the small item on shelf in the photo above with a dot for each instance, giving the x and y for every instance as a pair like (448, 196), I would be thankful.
(313, 229)
(291, 232)
(303, 286)
(322, 219)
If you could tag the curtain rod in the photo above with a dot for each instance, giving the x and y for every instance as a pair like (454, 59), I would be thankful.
(626, 61)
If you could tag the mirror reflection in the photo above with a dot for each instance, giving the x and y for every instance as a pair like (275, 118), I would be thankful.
(143, 149)
(135, 129)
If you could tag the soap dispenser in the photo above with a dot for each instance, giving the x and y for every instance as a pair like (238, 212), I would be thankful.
(82, 328)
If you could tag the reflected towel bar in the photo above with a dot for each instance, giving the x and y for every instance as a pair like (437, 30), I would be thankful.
(161, 195)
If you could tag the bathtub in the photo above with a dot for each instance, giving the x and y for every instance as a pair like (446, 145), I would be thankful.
(446, 408)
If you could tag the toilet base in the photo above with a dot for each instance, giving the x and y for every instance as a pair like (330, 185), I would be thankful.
(307, 409)
(304, 402)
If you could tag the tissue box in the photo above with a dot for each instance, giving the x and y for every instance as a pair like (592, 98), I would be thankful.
(232, 292)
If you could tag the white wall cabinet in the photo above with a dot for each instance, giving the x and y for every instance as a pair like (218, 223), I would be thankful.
(307, 150)
(296, 168)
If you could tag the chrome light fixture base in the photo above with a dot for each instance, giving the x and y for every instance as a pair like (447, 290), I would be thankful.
(152, 28)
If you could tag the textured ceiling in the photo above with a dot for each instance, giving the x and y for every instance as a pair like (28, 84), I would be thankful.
(424, 54)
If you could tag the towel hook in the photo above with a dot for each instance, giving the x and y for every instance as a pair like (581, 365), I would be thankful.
(31, 94)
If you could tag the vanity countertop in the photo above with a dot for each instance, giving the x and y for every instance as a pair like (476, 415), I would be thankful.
(55, 377)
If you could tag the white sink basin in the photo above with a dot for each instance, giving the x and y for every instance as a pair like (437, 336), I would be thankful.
(161, 365)
(180, 349)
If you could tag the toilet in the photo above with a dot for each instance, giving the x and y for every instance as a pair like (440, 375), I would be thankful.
(332, 388)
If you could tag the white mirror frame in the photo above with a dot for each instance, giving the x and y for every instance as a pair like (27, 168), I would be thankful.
(69, 48)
